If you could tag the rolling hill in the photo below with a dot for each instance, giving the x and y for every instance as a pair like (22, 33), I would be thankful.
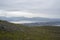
(10, 31)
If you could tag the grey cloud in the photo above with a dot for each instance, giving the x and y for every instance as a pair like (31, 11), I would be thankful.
(24, 4)
(50, 7)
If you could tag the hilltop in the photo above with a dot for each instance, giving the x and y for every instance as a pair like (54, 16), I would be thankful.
(5, 25)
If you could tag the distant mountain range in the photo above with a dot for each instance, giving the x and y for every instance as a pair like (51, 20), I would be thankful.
(27, 19)
(38, 21)
(24, 19)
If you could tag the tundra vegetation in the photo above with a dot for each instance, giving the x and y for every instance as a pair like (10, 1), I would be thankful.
(10, 31)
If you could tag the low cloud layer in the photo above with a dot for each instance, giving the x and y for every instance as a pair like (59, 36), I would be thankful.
(20, 14)
(25, 14)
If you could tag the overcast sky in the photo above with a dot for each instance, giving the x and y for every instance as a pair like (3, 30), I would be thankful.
(30, 8)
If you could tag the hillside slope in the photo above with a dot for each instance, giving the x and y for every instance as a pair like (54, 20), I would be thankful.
(10, 31)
